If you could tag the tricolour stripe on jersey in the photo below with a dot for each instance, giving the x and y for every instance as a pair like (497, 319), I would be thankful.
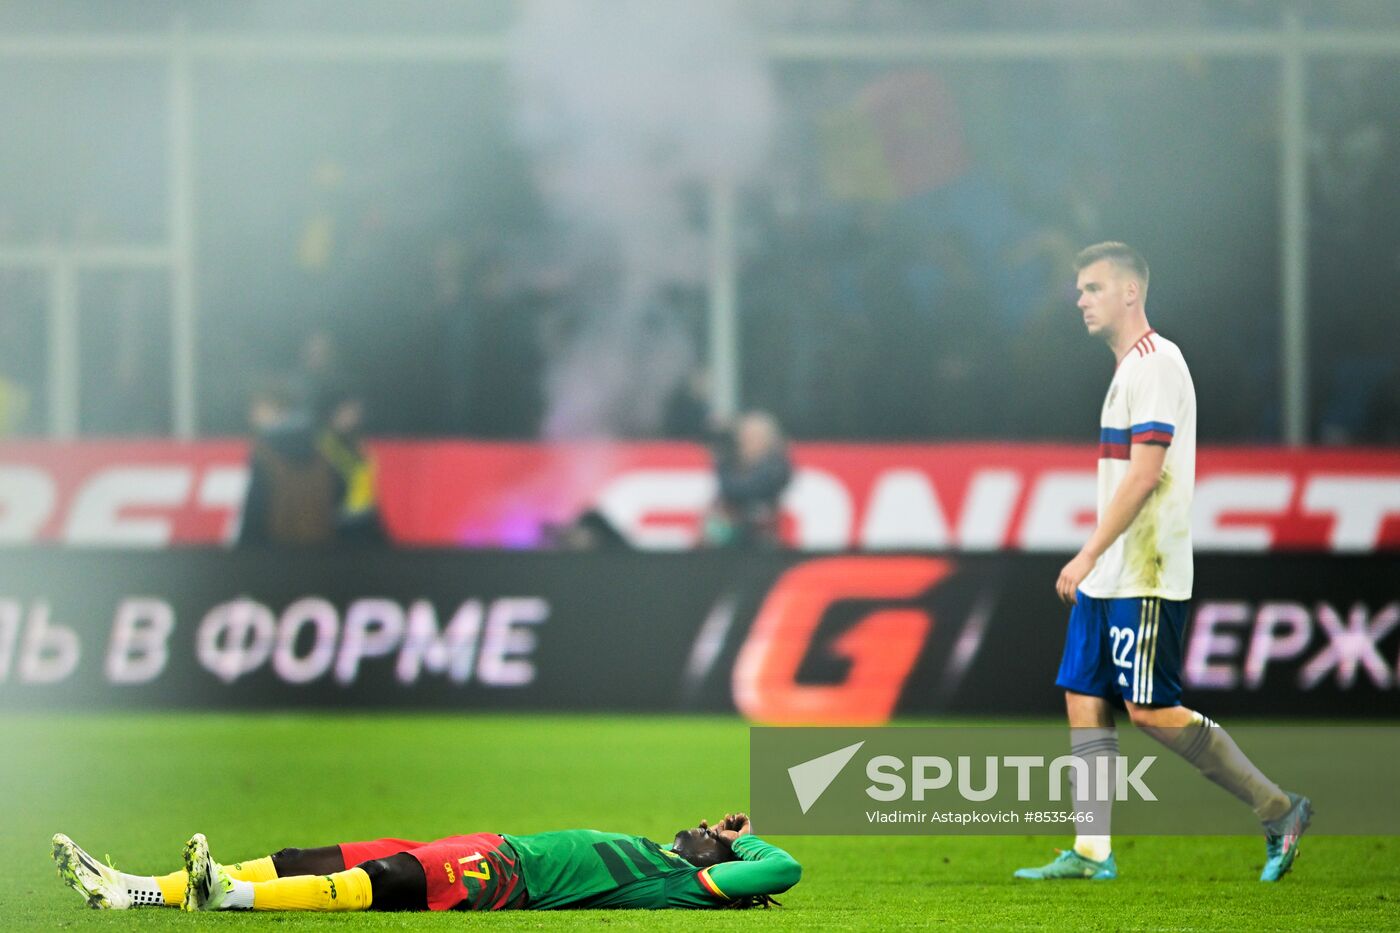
(1114, 443)
(1153, 432)
(1147, 426)
(710, 885)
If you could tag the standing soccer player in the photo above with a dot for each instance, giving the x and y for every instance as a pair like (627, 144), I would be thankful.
(1129, 587)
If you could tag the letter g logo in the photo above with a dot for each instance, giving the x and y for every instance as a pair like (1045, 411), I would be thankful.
(882, 647)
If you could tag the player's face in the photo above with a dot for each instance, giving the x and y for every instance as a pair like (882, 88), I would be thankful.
(700, 847)
(1103, 298)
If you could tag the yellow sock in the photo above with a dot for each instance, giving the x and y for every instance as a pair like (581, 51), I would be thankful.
(257, 869)
(172, 886)
(344, 890)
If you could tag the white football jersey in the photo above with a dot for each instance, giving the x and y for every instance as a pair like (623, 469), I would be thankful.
(1150, 401)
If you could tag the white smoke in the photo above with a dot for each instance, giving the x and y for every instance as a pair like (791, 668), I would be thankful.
(630, 110)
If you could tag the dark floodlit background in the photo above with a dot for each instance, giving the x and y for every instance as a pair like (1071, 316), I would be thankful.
(523, 220)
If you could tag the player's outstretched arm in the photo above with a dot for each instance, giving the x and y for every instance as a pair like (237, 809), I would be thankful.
(763, 868)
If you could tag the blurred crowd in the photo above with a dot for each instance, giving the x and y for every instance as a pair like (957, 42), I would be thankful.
(904, 256)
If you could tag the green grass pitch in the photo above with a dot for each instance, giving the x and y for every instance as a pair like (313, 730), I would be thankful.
(135, 786)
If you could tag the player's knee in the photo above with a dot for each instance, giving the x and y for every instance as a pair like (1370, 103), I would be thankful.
(1144, 717)
(319, 861)
(396, 882)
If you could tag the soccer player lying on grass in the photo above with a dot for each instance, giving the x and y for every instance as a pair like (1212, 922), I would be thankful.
(722, 866)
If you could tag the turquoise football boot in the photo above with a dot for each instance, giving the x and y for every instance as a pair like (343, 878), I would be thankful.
(1281, 837)
(1070, 864)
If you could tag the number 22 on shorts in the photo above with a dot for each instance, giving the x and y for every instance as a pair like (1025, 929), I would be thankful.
(1123, 639)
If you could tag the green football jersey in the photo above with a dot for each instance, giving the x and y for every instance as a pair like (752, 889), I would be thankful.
(584, 868)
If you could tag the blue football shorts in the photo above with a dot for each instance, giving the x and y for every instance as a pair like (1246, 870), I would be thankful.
(1129, 648)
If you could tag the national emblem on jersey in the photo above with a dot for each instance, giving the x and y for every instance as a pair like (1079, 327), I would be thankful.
(1150, 401)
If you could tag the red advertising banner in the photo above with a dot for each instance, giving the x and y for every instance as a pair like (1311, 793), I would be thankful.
(940, 497)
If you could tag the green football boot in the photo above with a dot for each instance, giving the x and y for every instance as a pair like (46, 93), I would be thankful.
(1070, 864)
(1281, 837)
